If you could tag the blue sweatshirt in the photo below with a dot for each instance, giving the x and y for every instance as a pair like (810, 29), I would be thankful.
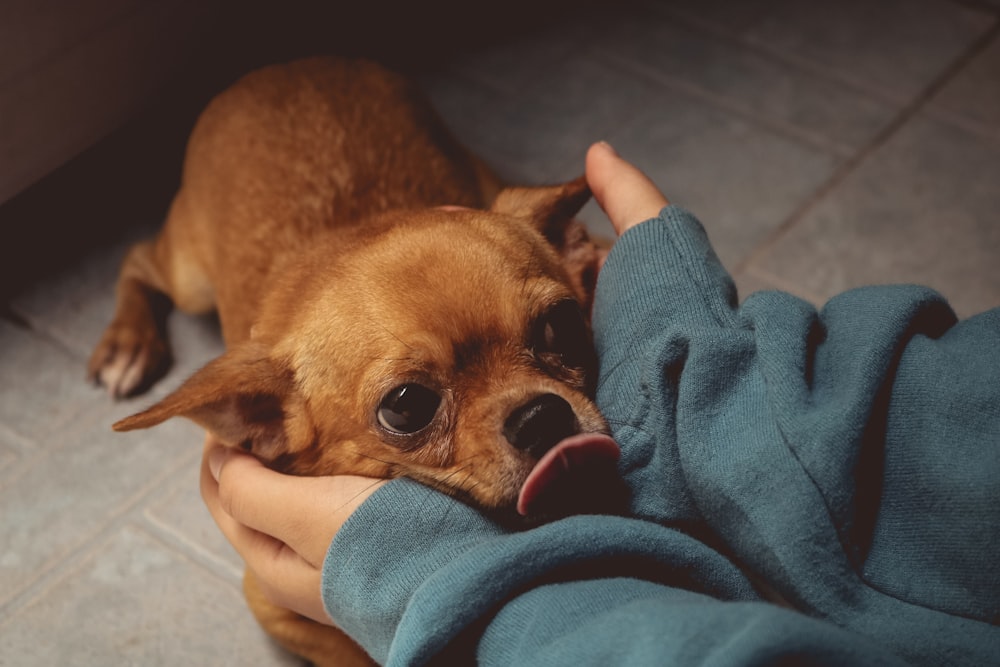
(808, 488)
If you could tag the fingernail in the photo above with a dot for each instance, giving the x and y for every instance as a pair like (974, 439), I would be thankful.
(607, 146)
(215, 460)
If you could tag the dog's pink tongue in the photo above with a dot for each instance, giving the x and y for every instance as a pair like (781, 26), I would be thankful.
(578, 451)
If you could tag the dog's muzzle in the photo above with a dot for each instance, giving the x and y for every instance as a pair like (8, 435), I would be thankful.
(538, 425)
(547, 428)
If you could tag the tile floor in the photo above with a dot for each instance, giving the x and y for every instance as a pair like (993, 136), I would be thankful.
(824, 146)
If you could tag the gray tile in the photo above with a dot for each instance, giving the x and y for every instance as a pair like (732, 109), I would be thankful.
(88, 476)
(8, 455)
(922, 209)
(74, 306)
(43, 385)
(475, 113)
(178, 515)
(973, 95)
(519, 136)
(812, 106)
(741, 178)
(16, 453)
(45, 396)
(134, 602)
(513, 65)
(898, 46)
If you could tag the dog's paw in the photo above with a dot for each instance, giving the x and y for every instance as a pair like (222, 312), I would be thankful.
(128, 360)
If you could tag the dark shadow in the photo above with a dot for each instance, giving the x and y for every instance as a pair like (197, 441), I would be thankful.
(130, 177)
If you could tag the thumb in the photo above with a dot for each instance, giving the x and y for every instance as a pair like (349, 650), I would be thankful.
(626, 194)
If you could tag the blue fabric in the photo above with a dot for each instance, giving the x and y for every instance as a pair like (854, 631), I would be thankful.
(845, 463)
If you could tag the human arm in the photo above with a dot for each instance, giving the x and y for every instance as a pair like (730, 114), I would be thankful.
(847, 457)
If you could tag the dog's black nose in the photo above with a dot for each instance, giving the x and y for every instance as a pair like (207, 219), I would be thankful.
(539, 424)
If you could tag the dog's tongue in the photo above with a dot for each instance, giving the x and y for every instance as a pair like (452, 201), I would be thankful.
(583, 451)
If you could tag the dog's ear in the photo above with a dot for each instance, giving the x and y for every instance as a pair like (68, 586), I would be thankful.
(240, 397)
(551, 210)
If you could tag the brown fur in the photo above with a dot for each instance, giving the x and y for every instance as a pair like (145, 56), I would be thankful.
(306, 217)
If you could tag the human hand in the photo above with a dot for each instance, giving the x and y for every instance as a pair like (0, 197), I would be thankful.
(282, 525)
(626, 195)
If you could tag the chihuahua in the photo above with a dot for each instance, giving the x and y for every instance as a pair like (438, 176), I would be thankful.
(388, 308)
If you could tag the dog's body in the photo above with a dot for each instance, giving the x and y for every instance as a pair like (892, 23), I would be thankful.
(387, 308)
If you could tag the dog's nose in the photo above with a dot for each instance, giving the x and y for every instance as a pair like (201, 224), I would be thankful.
(539, 424)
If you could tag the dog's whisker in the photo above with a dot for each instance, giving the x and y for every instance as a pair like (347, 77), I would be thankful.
(375, 458)
(447, 480)
(472, 488)
(389, 331)
(359, 493)
(605, 372)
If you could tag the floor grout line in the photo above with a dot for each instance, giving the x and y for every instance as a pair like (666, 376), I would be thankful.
(981, 130)
(786, 58)
(35, 584)
(195, 551)
(726, 105)
(189, 550)
(37, 327)
(9, 314)
(908, 113)
(70, 567)
(878, 94)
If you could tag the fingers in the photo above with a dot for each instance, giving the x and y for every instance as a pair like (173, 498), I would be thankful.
(282, 576)
(281, 525)
(626, 194)
(303, 513)
(248, 542)
(264, 502)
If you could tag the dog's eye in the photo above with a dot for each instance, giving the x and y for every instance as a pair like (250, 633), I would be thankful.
(407, 409)
(562, 330)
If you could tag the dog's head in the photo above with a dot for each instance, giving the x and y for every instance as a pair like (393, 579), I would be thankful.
(447, 345)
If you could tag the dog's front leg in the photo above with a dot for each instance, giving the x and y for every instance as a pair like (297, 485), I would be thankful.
(133, 352)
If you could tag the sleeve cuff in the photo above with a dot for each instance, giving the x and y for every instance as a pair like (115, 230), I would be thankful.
(660, 281)
(390, 545)
(666, 263)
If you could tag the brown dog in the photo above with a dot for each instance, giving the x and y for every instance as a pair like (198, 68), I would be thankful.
(387, 309)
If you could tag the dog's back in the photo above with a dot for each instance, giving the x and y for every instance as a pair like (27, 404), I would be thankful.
(289, 151)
